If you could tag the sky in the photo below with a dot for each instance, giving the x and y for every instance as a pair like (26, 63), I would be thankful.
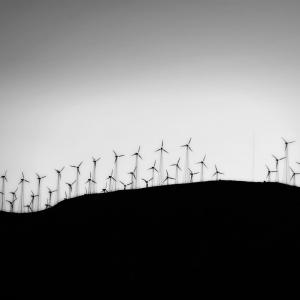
(82, 78)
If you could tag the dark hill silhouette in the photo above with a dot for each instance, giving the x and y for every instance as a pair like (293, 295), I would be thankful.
(190, 232)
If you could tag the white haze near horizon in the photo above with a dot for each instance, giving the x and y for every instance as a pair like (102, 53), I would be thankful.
(82, 78)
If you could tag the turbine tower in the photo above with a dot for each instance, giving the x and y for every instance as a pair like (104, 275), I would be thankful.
(95, 161)
(58, 172)
(39, 179)
(203, 164)
(287, 166)
(116, 168)
(277, 161)
(177, 168)
(137, 157)
(4, 180)
(161, 150)
(110, 178)
(187, 160)
(132, 178)
(77, 177)
(22, 183)
(50, 192)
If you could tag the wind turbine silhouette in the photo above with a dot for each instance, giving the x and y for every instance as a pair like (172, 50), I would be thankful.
(90, 182)
(203, 164)
(147, 181)
(33, 196)
(192, 174)
(161, 150)
(177, 168)
(137, 157)
(70, 188)
(77, 177)
(58, 172)
(104, 190)
(153, 169)
(29, 209)
(168, 178)
(95, 161)
(4, 180)
(277, 160)
(287, 166)
(187, 160)
(269, 173)
(50, 192)
(125, 185)
(217, 173)
(116, 168)
(110, 178)
(13, 200)
(39, 178)
(132, 175)
(22, 183)
(294, 174)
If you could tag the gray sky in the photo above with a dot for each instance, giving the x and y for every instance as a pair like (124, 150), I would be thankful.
(80, 78)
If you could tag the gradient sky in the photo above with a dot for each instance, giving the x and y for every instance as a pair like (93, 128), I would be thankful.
(80, 78)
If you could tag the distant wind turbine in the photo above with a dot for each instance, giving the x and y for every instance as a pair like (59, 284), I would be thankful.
(217, 173)
(287, 166)
(161, 150)
(77, 177)
(203, 164)
(13, 200)
(50, 192)
(132, 178)
(116, 169)
(125, 185)
(188, 149)
(168, 178)
(90, 183)
(137, 157)
(70, 188)
(147, 181)
(192, 174)
(22, 183)
(110, 178)
(4, 180)
(39, 179)
(277, 161)
(177, 168)
(58, 172)
(95, 161)
(153, 169)
(293, 178)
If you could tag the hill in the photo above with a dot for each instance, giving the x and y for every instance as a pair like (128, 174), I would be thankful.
(187, 232)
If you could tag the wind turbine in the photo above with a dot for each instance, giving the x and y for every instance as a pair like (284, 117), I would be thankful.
(90, 183)
(70, 188)
(294, 174)
(187, 160)
(50, 192)
(132, 178)
(217, 173)
(277, 160)
(116, 167)
(269, 173)
(39, 178)
(203, 164)
(104, 190)
(153, 169)
(58, 172)
(110, 178)
(137, 157)
(22, 183)
(125, 185)
(13, 200)
(95, 161)
(4, 180)
(147, 181)
(77, 177)
(192, 174)
(29, 208)
(161, 150)
(33, 196)
(287, 166)
(168, 178)
(177, 168)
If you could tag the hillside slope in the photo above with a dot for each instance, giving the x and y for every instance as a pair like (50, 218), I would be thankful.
(162, 232)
